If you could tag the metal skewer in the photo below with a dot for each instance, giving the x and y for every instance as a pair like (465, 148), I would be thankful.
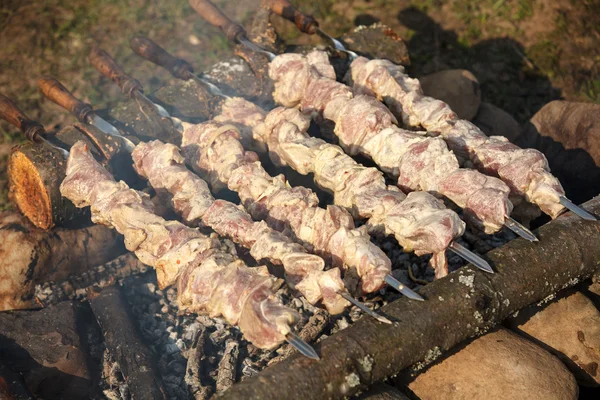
(471, 257)
(519, 229)
(34, 131)
(364, 308)
(151, 51)
(304, 348)
(131, 87)
(305, 23)
(576, 209)
(57, 93)
(400, 287)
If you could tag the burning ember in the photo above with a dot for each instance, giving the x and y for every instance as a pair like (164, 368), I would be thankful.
(206, 185)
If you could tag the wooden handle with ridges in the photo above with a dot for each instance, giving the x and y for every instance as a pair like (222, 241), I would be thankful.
(306, 23)
(151, 51)
(14, 116)
(207, 10)
(110, 69)
(57, 93)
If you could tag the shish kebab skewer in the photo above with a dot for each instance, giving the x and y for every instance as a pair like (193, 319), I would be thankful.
(404, 97)
(208, 11)
(341, 240)
(238, 110)
(477, 202)
(162, 164)
(178, 253)
(363, 125)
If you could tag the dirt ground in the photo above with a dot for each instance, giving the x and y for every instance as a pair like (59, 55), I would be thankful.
(524, 52)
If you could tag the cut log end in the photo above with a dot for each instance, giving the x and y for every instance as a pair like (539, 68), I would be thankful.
(28, 190)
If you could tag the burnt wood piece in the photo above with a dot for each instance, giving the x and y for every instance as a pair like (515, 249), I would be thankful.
(188, 100)
(154, 126)
(46, 349)
(35, 172)
(125, 345)
(377, 41)
(76, 287)
(462, 305)
(143, 122)
(29, 256)
(12, 385)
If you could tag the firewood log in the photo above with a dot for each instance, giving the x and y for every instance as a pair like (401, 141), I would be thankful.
(125, 345)
(464, 304)
(45, 347)
(29, 255)
(36, 170)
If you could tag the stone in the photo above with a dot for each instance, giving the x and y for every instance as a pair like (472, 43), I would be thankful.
(570, 329)
(494, 121)
(568, 133)
(457, 87)
(498, 365)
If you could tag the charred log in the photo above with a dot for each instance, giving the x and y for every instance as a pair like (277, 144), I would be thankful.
(76, 287)
(125, 345)
(464, 304)
(46, 349)
(29, 256)
(34, 175)
(35, 171)
(12, 386)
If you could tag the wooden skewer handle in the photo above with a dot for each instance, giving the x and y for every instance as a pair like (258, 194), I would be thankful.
(306, 23)
(14, 116)
(110, 69)
(57, 93)
(151, 51)
(207, 10)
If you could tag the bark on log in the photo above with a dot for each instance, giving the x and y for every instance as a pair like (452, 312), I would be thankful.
(45, 347)
(464, 304)
(123, 342)
(29, 256)
(35, 171)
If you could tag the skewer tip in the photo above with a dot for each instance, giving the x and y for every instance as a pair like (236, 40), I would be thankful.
(396, 284)
(471, 257)
(520, 230)
(580, 212)
(363, 307)
(304, 348)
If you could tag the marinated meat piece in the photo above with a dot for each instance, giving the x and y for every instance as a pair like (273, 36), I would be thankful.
(162, 165)
(210, 280)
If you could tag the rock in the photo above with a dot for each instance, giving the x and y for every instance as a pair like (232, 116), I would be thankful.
(568, 134)
(494, 121)
(570, 329)
(457, 87)
(499, 365)
(575, 125)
